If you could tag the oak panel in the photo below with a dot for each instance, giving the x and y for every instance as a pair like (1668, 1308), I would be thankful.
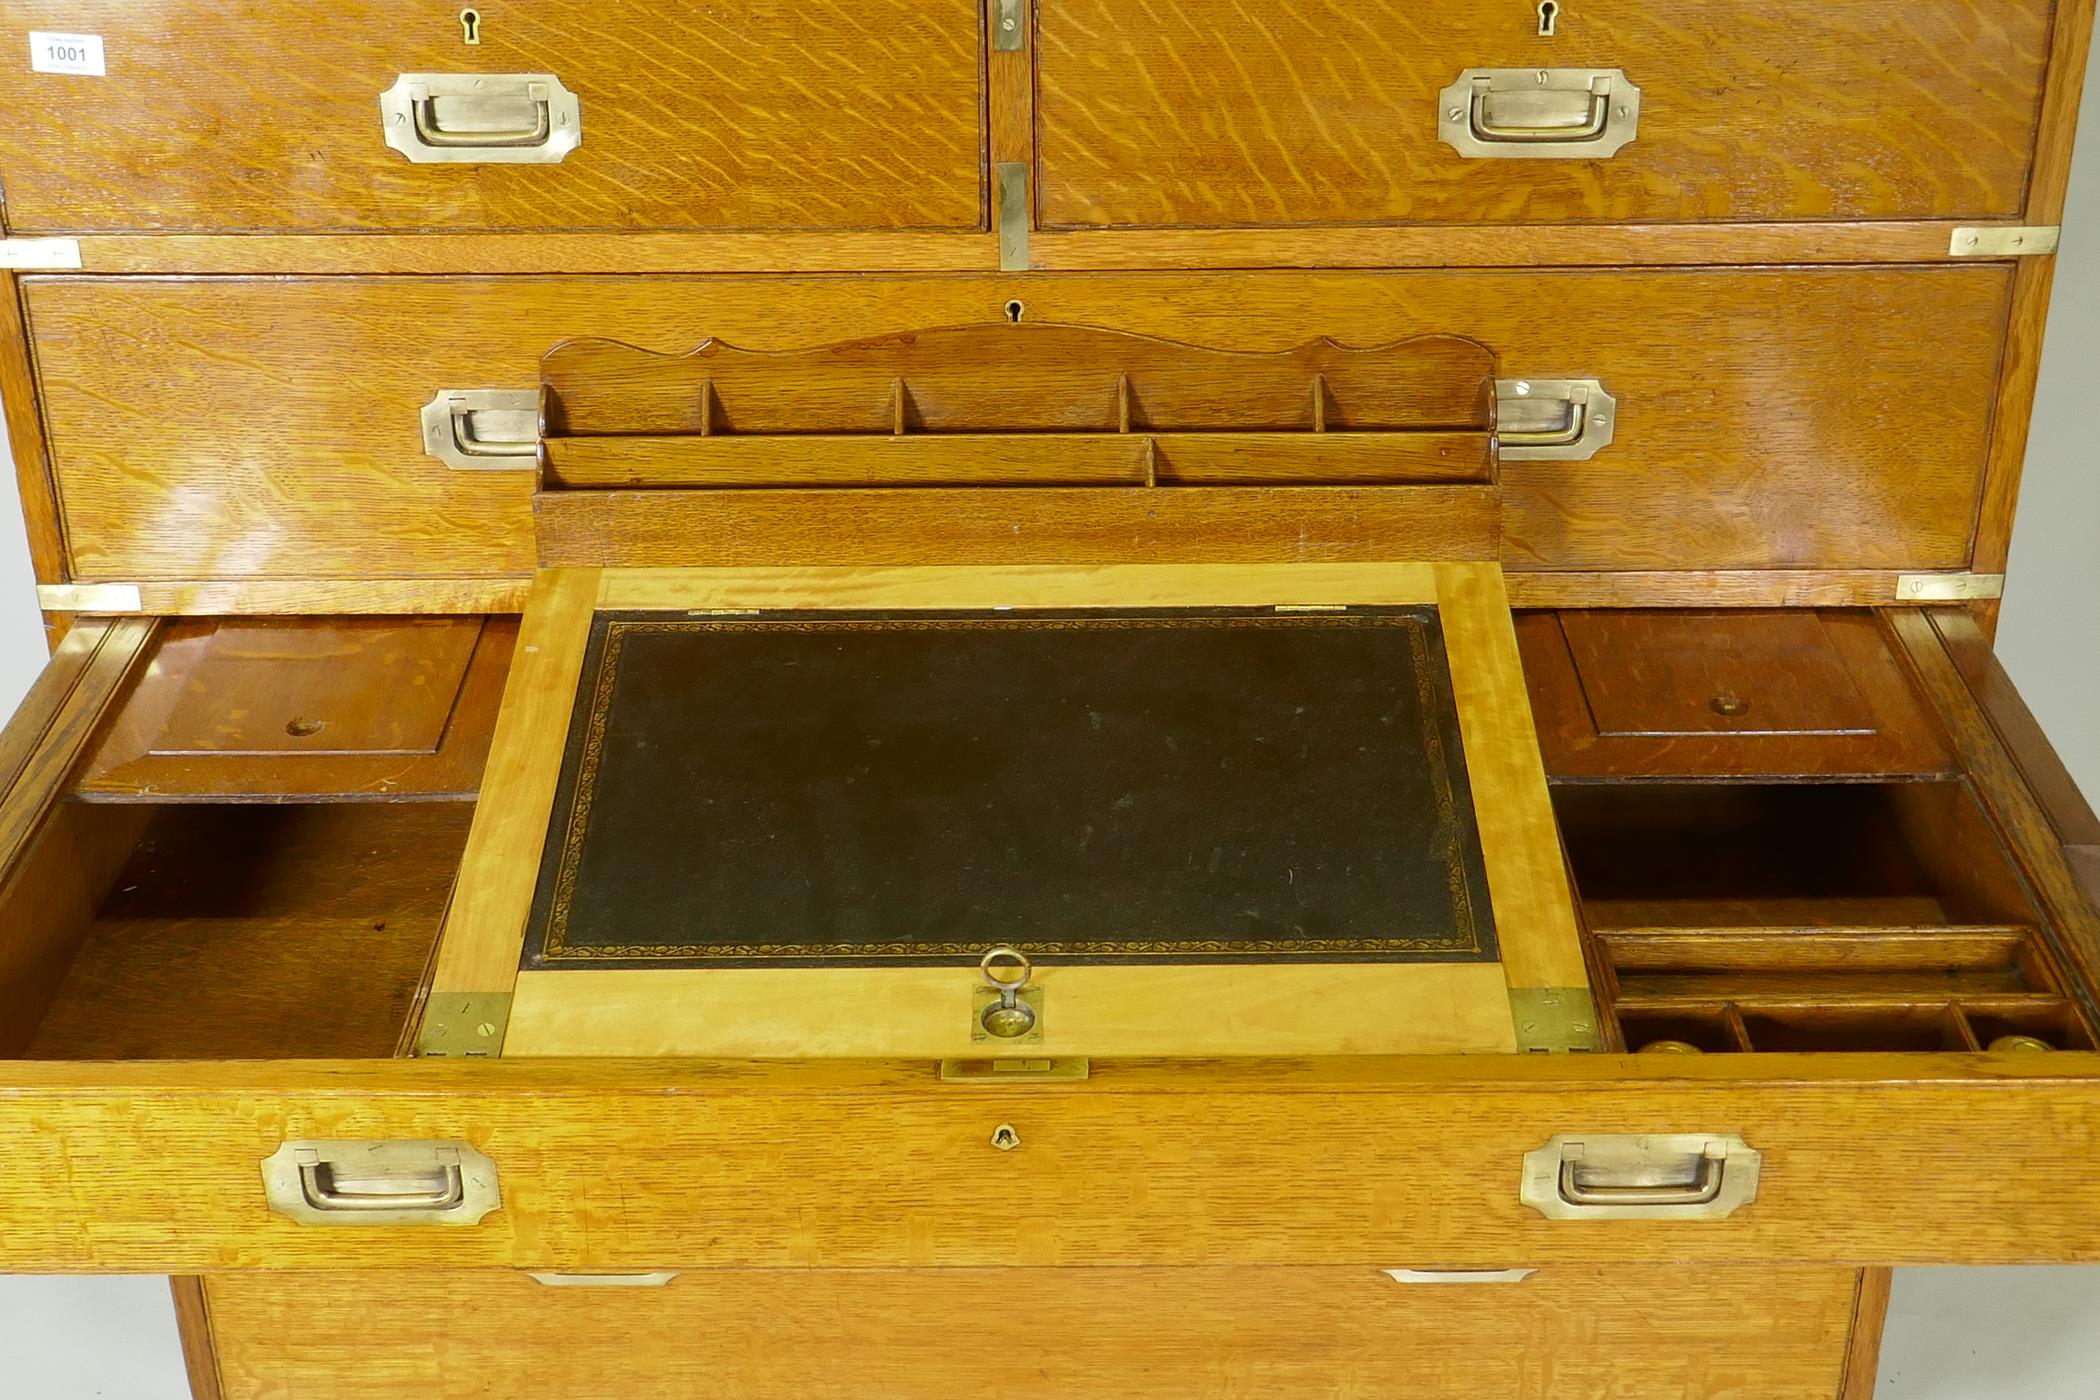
(1325, 111)
(1769, 418)
(1667, 1333)
(636, 1165)
(230, 115)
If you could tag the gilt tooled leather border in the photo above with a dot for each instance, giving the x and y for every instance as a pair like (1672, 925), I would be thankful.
(1455, 834)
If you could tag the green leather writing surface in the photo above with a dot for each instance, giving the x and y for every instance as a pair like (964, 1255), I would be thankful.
(1090, 787)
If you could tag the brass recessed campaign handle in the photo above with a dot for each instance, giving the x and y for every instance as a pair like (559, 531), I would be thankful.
(1565, 420)
(483, 429)
(1539, 113)
(1669, 1176)
(337, 1182)
(481, 118)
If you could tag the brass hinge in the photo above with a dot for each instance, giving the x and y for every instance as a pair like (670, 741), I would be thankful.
(40, 254)
(1013, 216)
(464, 1025)
(1555, 1020)
(1948, 588)
(2001, 241)
(89, 598)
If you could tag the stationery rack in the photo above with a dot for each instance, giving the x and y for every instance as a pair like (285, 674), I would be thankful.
(1005, 441)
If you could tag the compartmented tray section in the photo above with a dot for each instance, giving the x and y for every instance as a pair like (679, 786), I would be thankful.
(1012, 442)
(1810, 917)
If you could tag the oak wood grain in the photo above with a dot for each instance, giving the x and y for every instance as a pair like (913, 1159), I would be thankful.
(1341, 245)
(1870, 1315)
(225, 114)
(266, 428)
(636, 1165)
(193, 1324)
(1520, 846)
(1321, 111)
(25, 434)
(1661, 1333)
(1017, 525)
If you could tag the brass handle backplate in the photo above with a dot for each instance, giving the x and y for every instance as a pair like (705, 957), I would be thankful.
(481, 118)
(483, 430)
(1666, 1176)
(1539, 113)
(1553, 420)
(338, 1182)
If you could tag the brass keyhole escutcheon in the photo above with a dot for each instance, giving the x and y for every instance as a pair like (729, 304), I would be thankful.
(1006, 971)
(1729, 706)
(1005, 1138)
(1549, 17)
(470, 25)
(1015, 310)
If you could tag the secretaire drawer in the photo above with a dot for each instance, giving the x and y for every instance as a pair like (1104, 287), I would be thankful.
(1330, 112)
(203, 986)
(530, 116)
(1767, 418)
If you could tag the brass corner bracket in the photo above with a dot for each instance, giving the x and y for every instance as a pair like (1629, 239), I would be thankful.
(464, 1025)
(1555, 1020)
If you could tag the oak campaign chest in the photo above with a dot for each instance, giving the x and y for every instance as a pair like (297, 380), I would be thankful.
(944, 697)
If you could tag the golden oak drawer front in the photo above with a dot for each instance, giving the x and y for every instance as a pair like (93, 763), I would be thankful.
(1147, 1334)
(1334, 112)
(358, 116)
(612, 1167)
(1753, 425)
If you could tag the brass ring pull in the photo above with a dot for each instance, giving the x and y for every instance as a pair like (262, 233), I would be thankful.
(1004, 956)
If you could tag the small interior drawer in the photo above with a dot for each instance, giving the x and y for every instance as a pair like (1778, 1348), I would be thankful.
(277, 709)
(1771, 692)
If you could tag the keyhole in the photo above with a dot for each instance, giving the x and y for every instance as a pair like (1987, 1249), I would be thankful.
(1005, 1138)
(470, 24)
(1549, 16)
(304, 728)
(1015, 311)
